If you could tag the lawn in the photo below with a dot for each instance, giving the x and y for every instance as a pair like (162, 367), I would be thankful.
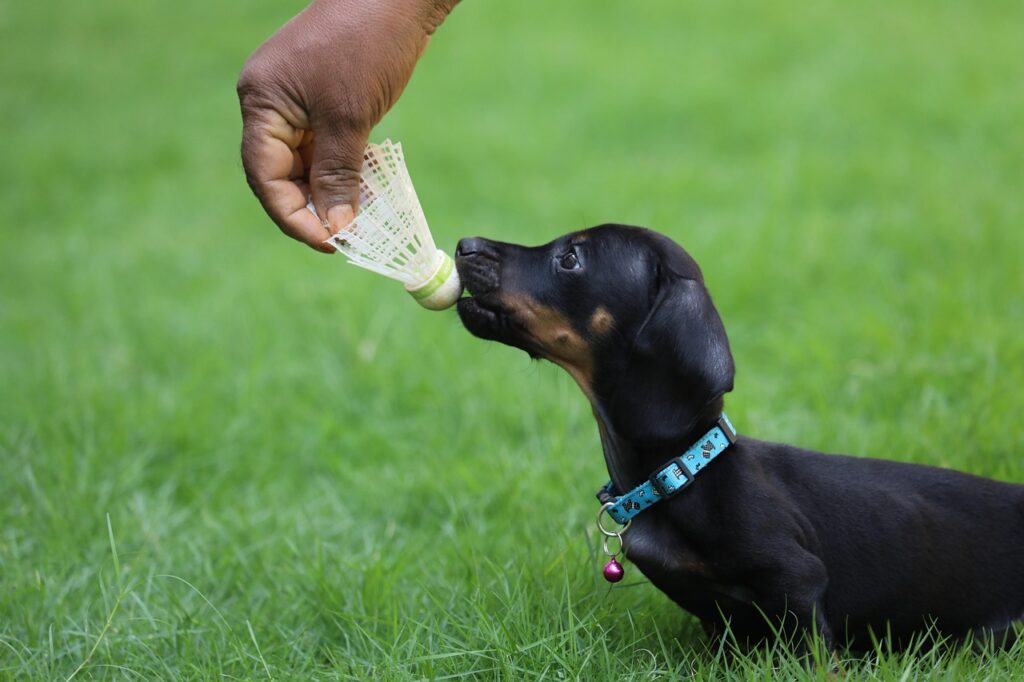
(225, 456)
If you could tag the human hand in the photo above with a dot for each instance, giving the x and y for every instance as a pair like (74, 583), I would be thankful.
(310, 96)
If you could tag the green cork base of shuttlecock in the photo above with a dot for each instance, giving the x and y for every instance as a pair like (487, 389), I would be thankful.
(443, 288)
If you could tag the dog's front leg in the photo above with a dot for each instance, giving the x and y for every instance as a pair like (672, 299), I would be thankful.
(793, 596)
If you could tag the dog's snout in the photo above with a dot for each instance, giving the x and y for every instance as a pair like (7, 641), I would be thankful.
(478, 264)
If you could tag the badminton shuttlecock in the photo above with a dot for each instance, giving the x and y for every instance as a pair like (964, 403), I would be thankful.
(390, 236)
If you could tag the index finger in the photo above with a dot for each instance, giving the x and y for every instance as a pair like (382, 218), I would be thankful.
(275, 171)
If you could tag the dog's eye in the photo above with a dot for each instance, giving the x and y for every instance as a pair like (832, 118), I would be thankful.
(568, 261)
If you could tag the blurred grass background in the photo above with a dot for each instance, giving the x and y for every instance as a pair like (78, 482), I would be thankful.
(225, 455)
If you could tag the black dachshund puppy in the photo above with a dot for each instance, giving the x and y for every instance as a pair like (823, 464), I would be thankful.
(767, 535)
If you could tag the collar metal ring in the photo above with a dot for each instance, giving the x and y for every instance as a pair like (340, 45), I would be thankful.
(607, 549)
(610, 533)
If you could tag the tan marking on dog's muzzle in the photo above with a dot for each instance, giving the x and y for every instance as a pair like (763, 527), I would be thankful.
(554, 336)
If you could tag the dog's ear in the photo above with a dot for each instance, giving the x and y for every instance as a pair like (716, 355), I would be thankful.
(683, 334)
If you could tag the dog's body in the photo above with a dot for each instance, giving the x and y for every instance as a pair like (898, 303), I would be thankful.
(768, 534)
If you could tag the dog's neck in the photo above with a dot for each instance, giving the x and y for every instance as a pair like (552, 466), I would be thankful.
(630, 462)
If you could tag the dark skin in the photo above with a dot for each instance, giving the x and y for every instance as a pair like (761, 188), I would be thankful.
(769, 535)
(310, 96)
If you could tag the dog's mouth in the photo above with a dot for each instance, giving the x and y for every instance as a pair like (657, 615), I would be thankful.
(480, 309)
(483, 310)
(482, 316)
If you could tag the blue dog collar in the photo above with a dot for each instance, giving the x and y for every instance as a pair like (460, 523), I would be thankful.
(671, 478)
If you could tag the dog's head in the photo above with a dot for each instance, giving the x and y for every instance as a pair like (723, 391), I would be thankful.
(622, 309)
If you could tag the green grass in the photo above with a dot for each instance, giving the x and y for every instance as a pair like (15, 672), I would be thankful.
(225, 456)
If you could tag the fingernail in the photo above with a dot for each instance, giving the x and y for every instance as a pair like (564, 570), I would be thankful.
(339, 216)
(326, 248)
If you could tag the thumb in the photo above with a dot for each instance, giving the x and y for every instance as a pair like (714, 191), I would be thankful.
(334, 176)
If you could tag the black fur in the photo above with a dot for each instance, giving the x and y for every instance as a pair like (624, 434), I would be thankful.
(850, 546)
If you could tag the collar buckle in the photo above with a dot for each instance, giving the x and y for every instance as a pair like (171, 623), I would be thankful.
(672, 479)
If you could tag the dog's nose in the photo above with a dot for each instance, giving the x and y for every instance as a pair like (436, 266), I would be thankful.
(469, 246)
